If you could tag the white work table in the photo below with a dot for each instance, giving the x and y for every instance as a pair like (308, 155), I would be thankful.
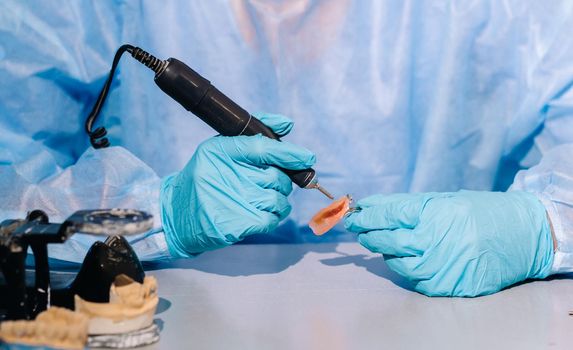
(340, 296)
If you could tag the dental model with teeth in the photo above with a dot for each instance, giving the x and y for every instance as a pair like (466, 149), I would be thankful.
(56, 327)
(131, 307)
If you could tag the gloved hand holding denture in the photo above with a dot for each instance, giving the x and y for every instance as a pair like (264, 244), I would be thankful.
(460, 243)
(230, 189)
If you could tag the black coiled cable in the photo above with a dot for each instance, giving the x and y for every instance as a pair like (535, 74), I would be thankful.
(97, 136)
(148, 59)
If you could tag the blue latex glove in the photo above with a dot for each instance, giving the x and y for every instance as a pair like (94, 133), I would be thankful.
(230, 189)
(458, 244)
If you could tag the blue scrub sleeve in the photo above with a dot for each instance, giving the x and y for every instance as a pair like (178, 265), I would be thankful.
(549, 162)
(552, 182)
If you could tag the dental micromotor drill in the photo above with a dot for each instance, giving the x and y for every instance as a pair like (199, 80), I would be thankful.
(197, 95)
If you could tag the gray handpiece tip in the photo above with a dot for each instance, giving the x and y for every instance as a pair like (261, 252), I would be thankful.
(324, 191)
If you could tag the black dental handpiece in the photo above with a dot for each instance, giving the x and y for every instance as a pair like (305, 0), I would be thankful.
(201, 98)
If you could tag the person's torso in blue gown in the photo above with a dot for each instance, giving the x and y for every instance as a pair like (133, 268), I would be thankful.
(392, 96)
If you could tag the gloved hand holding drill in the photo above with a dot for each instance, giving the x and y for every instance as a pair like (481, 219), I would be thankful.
(230, 189)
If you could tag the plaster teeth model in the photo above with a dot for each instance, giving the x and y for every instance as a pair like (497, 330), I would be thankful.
(131, 307)
(56, 327)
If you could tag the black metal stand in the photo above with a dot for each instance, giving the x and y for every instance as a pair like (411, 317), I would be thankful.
(103, 262)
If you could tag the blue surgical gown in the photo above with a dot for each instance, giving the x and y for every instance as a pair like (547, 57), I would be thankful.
(392, 96)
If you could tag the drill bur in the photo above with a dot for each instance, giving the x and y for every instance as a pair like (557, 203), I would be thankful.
(324, 191)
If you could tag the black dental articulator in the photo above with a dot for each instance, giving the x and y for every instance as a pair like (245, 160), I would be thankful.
(103, 262)
(198, 96)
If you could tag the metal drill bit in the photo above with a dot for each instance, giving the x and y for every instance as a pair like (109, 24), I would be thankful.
(314, 184)
(324, 191)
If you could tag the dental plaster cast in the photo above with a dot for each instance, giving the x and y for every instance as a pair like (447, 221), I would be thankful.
(56, 327)
(131, 307)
